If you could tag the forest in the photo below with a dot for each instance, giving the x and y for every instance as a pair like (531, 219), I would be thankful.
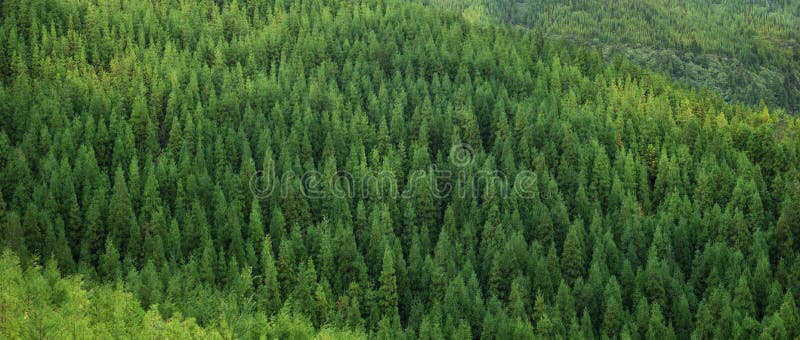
(345, 169)
(748, 51)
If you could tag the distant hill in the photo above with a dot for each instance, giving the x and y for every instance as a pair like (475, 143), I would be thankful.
(746, 50)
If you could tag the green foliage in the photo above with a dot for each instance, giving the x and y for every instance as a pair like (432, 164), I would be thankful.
(747, 51)
(244, 169)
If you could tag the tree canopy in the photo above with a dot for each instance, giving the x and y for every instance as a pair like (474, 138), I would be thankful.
(375, 168)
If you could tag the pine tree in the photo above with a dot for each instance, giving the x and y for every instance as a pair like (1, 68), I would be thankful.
(782, 240)
(207, 267)
(544, 231)
(286, 267)
(12, 233)
(586, 325)
(302, 296)
(121, 219)
(613, 318)
(742, 298)
(656, 328)
(269, 292)
(109, 263)
(151, 288)
(388, 285)
(59, 247)
(682, 318)
(654, 278)
(277, 228)
(255, 231)
(790, 315)
(93, 229)
(572, 257)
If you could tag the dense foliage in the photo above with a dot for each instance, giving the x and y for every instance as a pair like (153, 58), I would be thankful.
(139, 141)
(747, 50)
(37, 304)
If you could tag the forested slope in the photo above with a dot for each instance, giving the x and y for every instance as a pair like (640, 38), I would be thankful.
(748, 51)
(383, 168)
(38, 304)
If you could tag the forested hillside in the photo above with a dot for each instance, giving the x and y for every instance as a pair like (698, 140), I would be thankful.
(375, 168)
(38, 304)
(747, 50)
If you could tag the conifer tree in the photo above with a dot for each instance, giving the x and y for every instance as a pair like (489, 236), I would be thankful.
(572, 257)
(269, 291)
